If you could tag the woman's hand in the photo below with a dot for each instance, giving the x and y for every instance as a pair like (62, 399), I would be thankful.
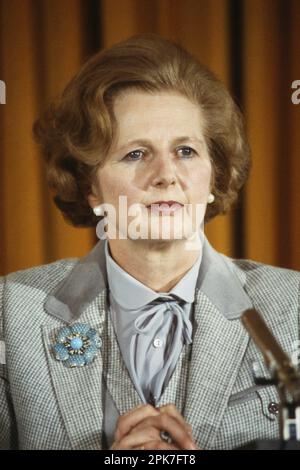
(141, 428)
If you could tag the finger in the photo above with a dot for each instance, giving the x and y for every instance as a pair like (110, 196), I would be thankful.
(129, 420)
(178, 432)
(144, 425)
(173, 411)
(137, 438)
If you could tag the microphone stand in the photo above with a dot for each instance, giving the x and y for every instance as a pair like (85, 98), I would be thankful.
(283, 375)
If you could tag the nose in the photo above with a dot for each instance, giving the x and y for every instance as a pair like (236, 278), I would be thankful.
(164, 173)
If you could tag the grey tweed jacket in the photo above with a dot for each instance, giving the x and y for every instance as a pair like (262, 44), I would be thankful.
(45, 405)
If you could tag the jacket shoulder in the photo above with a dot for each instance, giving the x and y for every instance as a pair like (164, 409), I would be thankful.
(31, 285)
(44, 277)
(269, 282)
(258, 270)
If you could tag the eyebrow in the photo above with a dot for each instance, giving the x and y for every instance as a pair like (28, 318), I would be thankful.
(178, 140)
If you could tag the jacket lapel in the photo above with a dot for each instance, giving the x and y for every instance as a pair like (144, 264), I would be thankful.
(82, 297)
(219, 344)
(116, 374)
(218, 349)
(78, 390)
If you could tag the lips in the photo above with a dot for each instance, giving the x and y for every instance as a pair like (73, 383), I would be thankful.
(164, 207)
(169, 203)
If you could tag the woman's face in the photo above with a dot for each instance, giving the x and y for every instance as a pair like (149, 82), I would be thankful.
(158, 154)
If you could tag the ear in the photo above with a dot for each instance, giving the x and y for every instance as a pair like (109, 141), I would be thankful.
(93, 200)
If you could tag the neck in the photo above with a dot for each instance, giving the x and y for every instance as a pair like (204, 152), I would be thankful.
(157, 264)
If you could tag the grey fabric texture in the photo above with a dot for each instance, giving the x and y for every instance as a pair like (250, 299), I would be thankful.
(46, 405)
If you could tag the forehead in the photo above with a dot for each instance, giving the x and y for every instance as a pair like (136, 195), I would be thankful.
(159, 113)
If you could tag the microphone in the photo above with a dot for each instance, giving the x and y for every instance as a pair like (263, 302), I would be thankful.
(276, 359)
(283, 372)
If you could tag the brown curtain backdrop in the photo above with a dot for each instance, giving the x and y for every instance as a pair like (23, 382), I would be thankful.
(252, 45)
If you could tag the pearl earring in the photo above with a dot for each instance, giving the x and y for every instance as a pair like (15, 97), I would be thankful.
(210, 198)
(97, 210)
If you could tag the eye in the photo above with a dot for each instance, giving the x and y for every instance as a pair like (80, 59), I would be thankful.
(134, 155)
(188, 151)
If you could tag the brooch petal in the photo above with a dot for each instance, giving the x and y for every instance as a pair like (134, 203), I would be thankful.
(77, 345)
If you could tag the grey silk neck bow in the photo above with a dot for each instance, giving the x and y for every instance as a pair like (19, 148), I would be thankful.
(154, 316)
(150, 322)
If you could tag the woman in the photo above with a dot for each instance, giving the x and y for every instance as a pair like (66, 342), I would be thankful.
(139, 344)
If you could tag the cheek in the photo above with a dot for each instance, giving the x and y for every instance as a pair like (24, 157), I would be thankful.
(115, 185)
(200, 180)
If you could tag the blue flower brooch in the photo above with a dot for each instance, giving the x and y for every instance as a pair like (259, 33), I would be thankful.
(77, 345)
